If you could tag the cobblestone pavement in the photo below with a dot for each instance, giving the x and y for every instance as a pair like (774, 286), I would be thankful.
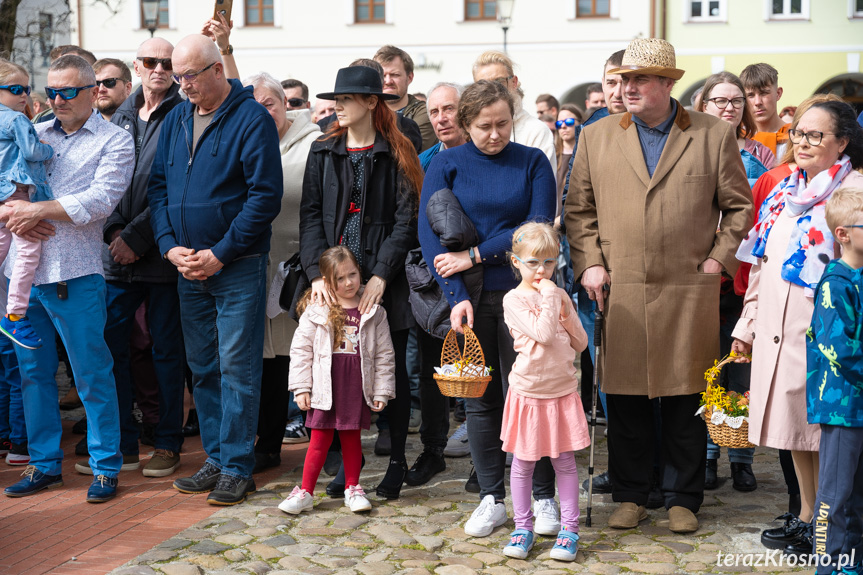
(422, 532)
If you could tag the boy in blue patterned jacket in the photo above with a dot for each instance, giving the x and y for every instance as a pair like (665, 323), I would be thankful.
(834, 392)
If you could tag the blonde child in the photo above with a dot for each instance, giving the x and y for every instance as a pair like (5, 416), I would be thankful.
(543, 415)
(342, 364)
(21, 173)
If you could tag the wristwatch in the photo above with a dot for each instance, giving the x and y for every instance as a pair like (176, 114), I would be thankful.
(472, 254)
(227, 51)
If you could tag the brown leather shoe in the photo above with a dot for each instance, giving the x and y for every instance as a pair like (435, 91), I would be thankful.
(627, 516)
(682, 520)
(71, 400)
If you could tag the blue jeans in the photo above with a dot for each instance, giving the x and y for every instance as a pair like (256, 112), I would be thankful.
(163, 318)
(223, 327)
(80, 320)
(12, 425)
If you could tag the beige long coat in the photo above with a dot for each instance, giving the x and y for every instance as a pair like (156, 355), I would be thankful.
(774, 320)
(652, 235)
(285, 242)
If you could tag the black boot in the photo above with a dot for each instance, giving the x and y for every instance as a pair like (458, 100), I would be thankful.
(802, 544)
(336, 487)
(427, 465)
(601, 483)
(779, 537)
(192, 426)
(391, 485)
(744, 479)
(710, 479)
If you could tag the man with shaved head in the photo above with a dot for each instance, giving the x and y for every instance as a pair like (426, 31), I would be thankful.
(136, 272)
(215, 188)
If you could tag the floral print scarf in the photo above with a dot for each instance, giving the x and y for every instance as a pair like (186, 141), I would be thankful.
(811, 246)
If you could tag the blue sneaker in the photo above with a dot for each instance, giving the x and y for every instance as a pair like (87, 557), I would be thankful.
(853, 570)
(20, 332)
(102, 489)
(520, 544)
(34, 481)
(566, 545)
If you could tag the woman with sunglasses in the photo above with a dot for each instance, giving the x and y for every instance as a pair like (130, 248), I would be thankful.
(22, 177)
(723, 96)
(568, 118)
(500, 185)
(789, 248)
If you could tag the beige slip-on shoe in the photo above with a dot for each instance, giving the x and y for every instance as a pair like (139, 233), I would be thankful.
(627, 516)
(682, 520)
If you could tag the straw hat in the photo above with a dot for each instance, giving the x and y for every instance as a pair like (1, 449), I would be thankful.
(649, 56)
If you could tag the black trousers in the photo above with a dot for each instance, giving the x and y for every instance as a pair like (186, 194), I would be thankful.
(631, 449)
(273, 412)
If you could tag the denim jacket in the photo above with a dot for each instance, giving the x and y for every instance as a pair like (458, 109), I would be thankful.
(22, 156)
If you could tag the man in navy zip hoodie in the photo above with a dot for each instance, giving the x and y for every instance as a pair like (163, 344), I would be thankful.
(215, 187)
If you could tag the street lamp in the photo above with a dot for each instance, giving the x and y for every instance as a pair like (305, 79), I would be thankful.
(504, 16)
(150, 8)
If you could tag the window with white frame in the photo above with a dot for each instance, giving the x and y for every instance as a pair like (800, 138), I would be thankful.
(855, 8)
(705, 10)
(787, 9)
(164, 13)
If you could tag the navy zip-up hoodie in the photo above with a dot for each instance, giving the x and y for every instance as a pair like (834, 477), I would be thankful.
(225, 196)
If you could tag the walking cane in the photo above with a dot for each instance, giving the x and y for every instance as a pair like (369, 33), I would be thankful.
(597, 342)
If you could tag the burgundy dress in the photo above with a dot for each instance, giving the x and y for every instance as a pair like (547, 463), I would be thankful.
(349, 409)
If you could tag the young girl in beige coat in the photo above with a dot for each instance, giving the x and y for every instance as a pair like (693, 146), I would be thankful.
(342, 365)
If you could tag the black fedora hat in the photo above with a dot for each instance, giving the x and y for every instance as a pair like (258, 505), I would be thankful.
(357, 80)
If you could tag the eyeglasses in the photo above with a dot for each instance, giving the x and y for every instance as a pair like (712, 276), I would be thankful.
(568, 122)
(296, 102)
(722, 103)
(503, 79)
(814, 138)
(533, 263)
(151, 63)
(66, 93)
(191, 76)
(853, 226)
(108, 82)
(17, 89)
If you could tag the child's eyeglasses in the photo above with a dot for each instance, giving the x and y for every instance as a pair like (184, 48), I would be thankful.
(533, 263)
(569, 122)
(17, 89)
(151, 63)
(108, 82)
(853, 226)
(66, 93)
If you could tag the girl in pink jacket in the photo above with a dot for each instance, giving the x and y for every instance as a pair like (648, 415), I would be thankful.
(342, 365)
(543, 415)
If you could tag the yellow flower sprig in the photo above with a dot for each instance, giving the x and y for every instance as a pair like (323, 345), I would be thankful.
(715, 396)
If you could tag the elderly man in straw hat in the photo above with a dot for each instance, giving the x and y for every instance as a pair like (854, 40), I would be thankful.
(648, 188)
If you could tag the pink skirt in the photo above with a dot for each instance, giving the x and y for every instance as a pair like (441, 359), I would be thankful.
(534, 428)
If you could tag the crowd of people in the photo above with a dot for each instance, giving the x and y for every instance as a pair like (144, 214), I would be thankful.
(144, 227)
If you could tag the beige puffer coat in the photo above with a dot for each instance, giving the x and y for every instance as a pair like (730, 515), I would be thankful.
(312, 354)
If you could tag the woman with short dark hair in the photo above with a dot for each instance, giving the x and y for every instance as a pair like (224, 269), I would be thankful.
(500, 185)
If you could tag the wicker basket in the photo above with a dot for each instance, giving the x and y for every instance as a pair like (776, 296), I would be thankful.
(723, 435)
(469, 381)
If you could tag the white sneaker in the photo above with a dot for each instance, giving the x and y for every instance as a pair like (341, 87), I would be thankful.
(355, 498)
(298, 501)
(547, 516)
(457, 445)
(486, 517)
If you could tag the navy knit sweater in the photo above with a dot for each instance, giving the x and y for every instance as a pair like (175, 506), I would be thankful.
(498, 193)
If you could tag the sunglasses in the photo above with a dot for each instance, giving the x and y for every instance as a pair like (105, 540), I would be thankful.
(151, 63)
(295, 102)
(191, 76)
(533, 263)
(108, 82)
(569, 122)
(66, 93)
(17, 89)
